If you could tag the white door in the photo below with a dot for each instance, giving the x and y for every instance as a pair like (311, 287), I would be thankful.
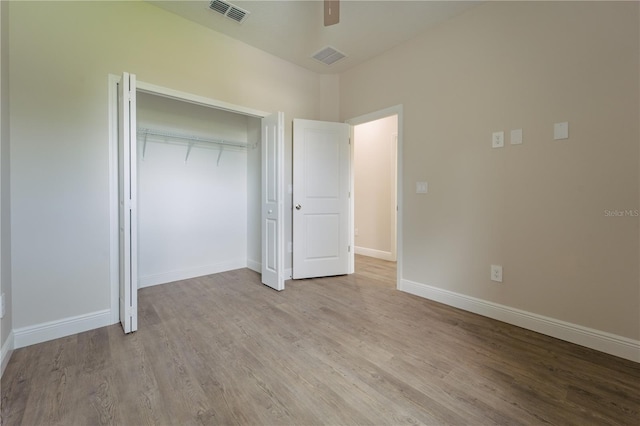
(321, 161)
(127, 183)
(273, 201)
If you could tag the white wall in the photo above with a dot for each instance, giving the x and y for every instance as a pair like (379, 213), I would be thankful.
(6, 323)
(538, 209)
(61, 54)
(375, 187)
(192, 216)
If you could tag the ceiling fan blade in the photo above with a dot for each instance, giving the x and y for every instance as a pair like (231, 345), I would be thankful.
(331, 12)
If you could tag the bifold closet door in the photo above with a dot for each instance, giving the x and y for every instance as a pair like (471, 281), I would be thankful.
(273, 201)
(127, 193)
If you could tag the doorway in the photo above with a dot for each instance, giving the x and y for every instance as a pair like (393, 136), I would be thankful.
(375, 176)
(376, 188)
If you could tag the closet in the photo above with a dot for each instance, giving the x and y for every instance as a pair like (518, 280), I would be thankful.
(198, 180)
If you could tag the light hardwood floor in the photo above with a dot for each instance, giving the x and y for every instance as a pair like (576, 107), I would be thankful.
(223, 349)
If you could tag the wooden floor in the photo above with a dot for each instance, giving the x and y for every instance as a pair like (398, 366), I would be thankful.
(223, 349)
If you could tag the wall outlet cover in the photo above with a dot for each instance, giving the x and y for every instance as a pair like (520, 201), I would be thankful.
(496, 273)
(497, 140)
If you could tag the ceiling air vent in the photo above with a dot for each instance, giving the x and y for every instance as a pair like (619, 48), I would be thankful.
(229, 10)
(328, 55)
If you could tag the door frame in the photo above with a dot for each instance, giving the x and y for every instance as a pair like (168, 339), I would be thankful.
(396, 110)
(141, 86)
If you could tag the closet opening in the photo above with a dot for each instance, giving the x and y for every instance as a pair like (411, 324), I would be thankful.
(185, 188)
(198, 181)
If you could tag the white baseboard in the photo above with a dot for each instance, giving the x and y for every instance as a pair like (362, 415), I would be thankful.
(288, 273)
(39, 333)
(184, 274)
(5, 353)
(254, 265)
(602, 341)
(378, 254)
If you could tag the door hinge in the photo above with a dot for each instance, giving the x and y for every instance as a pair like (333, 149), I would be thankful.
(349, 249)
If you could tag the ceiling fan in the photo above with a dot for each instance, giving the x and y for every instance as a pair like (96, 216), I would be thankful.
(331, 12)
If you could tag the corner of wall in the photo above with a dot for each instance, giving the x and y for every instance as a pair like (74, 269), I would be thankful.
(6, 324)
(329, 97)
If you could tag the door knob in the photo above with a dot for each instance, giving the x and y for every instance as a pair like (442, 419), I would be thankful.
(298, 206)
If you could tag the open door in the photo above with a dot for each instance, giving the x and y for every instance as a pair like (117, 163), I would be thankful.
(321, 162)
(273, 201)
(127, 183)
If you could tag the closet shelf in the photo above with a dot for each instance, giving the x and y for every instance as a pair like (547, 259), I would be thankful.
(189, 140)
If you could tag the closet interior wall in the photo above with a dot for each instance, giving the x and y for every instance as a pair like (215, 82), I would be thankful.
(194, 217)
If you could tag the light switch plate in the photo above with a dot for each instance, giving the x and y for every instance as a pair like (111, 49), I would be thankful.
(422, 187)
(516, 137)
(561, 131)
(497, 140)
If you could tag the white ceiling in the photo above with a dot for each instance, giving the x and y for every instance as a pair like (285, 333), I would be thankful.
(293, 29)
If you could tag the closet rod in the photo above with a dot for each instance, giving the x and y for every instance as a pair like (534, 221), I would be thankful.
(190, 138)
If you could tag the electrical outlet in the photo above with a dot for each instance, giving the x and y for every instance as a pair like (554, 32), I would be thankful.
(496, 273)
(497, 140)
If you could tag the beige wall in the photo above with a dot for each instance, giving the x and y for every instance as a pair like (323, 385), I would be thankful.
(374, 187)
(538, 209)
(61, 54)
(5, 200)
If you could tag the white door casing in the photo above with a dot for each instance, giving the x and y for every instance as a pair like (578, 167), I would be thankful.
(127, 182)
(273, 201)
(321, 182)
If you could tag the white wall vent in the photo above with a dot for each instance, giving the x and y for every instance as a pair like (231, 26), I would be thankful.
(229, 10)
(328, 55)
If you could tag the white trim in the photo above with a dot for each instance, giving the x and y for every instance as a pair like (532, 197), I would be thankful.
(376, 115)
(602, 341)
(114, 246)
(288, 274)
(185, 274)
(378, 254)
(6, 352)
(198, 100)
(44, 332)
(254, 265)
